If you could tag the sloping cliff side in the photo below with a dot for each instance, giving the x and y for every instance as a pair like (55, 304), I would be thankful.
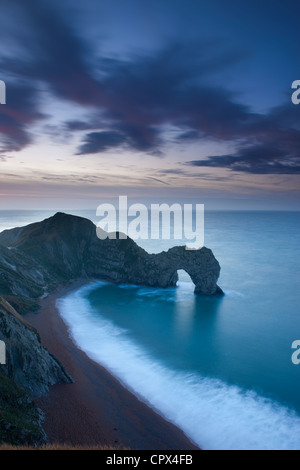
(28, 363)
(29, 371)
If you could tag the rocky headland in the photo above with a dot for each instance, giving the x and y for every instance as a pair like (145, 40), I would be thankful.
(36, 259)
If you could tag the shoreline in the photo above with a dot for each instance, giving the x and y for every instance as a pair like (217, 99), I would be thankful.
(96, 409)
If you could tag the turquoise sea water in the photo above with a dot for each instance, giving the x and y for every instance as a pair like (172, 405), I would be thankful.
(220, 369)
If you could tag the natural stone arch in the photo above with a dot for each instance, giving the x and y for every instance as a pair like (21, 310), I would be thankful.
(200, 265)
(66, 247)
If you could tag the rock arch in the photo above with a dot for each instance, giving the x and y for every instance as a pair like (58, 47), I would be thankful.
(66, 247)
(200, 265)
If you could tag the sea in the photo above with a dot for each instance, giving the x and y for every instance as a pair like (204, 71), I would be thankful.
(218, 368)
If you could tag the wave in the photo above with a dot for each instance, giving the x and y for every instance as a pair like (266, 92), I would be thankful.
(213, 414)
(233, 293)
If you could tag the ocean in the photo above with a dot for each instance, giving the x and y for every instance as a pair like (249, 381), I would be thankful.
(219, 368)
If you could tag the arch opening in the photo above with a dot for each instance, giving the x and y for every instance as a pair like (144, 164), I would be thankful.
(183, 276)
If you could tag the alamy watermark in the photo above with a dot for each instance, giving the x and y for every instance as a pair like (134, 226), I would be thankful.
(2, 353)
(2, 92)
(296, 94)
(296, 354)
(160, 221)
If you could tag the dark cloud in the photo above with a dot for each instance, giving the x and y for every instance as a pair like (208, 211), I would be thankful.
(172, 171)
(132, 101)
(43, 51)
(187, 173)
(142, 138)
(190, 135)
(137, 95)
(157, 179)
(169, 87)
(17, 115)
(53, 53)
(258, 166)
(78, 125)
(95, 142)
(157, 153)
(271, 145)
(147, 93)
(256, 159)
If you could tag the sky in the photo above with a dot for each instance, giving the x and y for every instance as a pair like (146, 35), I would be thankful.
(159, 100)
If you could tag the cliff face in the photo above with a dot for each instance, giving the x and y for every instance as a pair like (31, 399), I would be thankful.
(29, 371)
(66, 247)
(28, 363)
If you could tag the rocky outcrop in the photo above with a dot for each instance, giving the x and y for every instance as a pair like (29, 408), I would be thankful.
(201, 265)
(29, 371)
(28, 363)
(66, 247)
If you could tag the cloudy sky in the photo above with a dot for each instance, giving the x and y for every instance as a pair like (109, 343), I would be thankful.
(155, 99)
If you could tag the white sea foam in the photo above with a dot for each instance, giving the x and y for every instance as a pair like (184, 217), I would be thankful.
(233, 293)
(212, 413)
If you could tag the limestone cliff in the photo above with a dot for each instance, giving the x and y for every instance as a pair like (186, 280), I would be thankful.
(28, 363)
(64, 247)
(29, 371)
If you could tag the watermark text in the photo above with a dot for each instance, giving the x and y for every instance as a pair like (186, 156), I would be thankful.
(2, 353)
(161, 221)
(296, 354)
(2, 92)
(296, 94)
